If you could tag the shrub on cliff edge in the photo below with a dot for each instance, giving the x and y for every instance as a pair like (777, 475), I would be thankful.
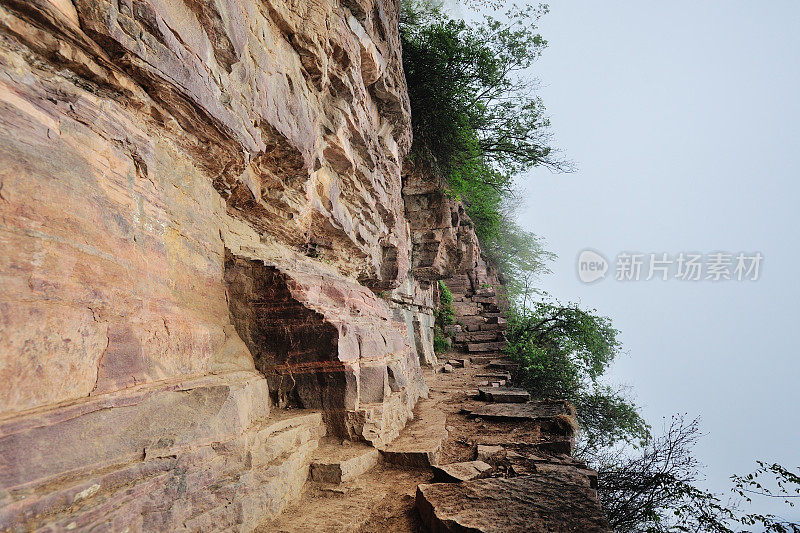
(563, 351)
(444, 316)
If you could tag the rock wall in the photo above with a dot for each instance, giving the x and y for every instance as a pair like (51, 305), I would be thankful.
(188, 190)
(444, 246)
(205, 220)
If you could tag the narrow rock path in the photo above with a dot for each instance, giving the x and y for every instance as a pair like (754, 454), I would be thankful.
(529, 481)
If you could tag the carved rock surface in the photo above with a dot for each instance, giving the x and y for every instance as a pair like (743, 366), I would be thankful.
(150, 458)
(413, 303)
(325, 342)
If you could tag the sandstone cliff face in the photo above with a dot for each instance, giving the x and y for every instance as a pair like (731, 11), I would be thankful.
(200, 203)
(204, 221)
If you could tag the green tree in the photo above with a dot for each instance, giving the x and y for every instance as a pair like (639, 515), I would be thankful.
(521, 258)
(475, 119)
(563, 351)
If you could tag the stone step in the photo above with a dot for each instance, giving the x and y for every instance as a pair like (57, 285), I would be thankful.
(526, 460)
(486, 383)
(457, 472)
(488, 453)
(493, 375)
(504, 394)
(420, 442)
(546, 410)
(338, 462)
(366, 503)
(478, 336)
(539, 502)
(472, 323)
(486, 346)
(466, 308)
(503, 364)
(482, 359)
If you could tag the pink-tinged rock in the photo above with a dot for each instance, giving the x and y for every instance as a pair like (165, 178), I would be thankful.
(155, 457)
(305, 330)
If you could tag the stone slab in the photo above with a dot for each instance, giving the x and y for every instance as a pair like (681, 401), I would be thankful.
(504, 394)
(526, 503)
(334, 462)
(420, 442)
(458, 472)
(503, 365)
(485, 453)
(493, 375)
(478, 336)
(522, 411)
(486, 346)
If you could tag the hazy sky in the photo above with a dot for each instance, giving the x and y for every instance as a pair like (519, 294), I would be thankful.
(684, 120)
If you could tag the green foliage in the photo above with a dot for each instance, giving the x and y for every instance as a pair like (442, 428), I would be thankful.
(445, 316)
(607, 417)
(445, 313)
(563, 351)
(472, 110)
(521, 258)
(441, 343)
(780, 483)
(475, 119)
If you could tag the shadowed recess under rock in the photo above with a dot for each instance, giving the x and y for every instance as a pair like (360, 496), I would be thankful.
(282, 334)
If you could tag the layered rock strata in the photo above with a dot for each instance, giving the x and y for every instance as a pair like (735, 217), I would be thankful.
(196, 198)
(213, 258)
